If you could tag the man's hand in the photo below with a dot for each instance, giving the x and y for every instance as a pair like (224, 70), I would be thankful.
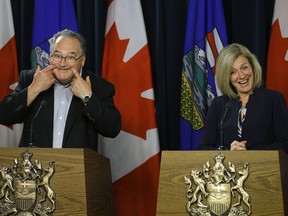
(42, 80)
(79, 86)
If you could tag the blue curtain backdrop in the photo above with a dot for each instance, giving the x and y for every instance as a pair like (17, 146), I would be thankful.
(247, 22)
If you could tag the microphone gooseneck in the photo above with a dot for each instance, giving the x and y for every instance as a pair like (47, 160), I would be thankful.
(42, 104)
(227, 105)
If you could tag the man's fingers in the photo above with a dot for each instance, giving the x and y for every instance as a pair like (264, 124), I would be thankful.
(49, 68)
(76, 74)
(88, 79)
(38, 69)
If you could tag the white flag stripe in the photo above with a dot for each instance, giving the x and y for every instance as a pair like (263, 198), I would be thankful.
(209, 54)
(127, 28)
(126, 145)
(281, 13)
(148, 94)
(6, 22)
(218, 41)
(9, 137)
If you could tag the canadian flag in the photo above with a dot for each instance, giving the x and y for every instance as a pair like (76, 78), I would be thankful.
(277, 63)
(134, 153)
(9, 135)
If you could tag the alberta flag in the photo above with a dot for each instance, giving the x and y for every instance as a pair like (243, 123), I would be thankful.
(9, 134)
(134, 153)
(205, 37)
(49, 18)
(277, 61)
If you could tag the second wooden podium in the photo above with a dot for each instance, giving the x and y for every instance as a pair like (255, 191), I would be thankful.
(194, 181)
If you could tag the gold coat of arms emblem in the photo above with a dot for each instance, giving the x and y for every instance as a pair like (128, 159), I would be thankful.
(25, 188)
(218, 189)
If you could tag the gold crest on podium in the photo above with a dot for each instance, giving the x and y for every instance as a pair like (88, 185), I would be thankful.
(218, 190)
(25, 188)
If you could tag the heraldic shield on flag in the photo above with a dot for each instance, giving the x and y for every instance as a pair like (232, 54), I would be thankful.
(212, 191)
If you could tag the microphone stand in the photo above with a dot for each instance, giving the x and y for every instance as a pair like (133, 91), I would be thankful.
(227, 105)
(42, 104)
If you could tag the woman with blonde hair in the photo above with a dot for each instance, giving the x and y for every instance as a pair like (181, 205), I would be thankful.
(247, 116)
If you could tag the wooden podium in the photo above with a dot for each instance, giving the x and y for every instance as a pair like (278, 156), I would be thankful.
(82, 179)
(267, 182)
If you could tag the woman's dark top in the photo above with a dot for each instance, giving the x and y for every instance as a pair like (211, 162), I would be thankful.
(264, 128)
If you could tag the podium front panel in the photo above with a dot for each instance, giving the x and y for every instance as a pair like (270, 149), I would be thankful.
(82, 179)
(264, 184)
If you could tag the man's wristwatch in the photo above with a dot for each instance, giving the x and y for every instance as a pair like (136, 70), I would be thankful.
(86, 98)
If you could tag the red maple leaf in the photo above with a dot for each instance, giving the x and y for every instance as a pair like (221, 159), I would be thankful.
(277, 66)
(130, 79)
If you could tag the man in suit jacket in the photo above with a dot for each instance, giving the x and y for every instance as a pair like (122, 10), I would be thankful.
(62, 106)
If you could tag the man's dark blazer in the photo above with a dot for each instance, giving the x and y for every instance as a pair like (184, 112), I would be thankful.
(83, 122)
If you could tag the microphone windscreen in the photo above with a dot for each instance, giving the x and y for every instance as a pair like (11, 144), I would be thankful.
(43, 103)
(227, 105)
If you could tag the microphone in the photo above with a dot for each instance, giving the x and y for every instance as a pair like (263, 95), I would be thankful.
(42, 104)
(227, 105)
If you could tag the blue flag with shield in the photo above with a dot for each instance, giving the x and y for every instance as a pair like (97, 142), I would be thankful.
(205, 37)
(49, 18)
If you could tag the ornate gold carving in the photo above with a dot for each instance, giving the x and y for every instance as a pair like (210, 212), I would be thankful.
(212, 190)
(25, 188)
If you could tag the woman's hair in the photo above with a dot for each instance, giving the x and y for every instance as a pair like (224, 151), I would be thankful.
(69, 34)
(224, 64)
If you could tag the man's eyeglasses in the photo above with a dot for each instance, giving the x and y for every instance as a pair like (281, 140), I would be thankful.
(69, 58)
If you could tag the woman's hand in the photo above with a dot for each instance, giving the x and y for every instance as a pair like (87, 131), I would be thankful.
(236, 145)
